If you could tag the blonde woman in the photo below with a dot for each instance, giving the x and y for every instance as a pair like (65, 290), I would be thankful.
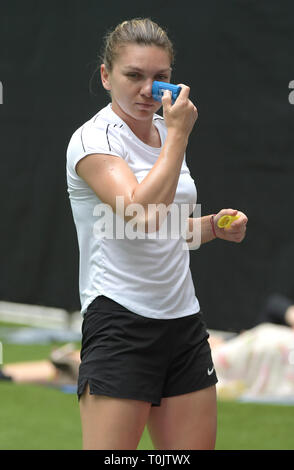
(145, 358)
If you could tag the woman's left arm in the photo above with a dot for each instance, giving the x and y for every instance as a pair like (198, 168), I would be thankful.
(205, 229)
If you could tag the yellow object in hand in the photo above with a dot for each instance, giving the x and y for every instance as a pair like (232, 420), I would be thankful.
(226, 220)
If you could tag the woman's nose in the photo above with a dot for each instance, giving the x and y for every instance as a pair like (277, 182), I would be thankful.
(146, 89)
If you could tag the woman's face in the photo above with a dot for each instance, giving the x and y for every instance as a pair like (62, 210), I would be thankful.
(131, 78)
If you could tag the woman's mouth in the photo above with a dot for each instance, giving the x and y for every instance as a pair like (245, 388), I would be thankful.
(145, 105)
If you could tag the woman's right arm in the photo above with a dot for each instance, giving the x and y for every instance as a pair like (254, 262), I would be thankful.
(110, 176)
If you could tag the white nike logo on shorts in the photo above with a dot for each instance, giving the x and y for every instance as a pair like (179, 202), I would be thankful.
(210, 371)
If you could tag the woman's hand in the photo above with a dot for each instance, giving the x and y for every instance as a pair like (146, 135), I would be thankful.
(182, 115)
(237, 230)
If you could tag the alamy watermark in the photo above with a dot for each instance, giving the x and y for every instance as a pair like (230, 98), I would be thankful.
(156, 221)
(1, 93)
(1, 353)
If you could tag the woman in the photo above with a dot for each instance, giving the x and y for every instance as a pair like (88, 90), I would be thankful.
(145, 357)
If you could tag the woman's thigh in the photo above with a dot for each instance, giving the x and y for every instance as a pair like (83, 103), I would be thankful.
(112, 423)
(186, 421)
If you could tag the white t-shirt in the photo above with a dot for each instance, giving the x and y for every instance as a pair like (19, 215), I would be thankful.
(148, 274)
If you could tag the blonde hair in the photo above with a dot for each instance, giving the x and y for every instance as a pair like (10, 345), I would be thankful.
(136, 31)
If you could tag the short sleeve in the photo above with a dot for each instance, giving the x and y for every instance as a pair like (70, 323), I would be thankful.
(102, 138)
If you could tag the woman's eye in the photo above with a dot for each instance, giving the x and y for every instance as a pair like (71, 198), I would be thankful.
(162, 78)
(133, 75)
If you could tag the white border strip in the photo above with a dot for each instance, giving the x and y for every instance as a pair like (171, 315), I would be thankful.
(40, 316)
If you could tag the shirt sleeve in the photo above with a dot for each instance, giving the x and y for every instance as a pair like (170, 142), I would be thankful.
(101, 139)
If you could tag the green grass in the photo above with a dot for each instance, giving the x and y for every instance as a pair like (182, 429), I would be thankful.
(39, 417)
(249, 426)
(36, 417)
(28, 352)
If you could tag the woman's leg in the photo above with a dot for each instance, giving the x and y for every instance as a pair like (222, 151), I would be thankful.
(185, 421)
(112, 423)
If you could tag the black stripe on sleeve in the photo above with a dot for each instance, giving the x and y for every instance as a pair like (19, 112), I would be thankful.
(107, 137)
(96, 117)
(82, 139)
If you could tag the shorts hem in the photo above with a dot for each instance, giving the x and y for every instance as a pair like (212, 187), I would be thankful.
(196, 388)
(96, 389)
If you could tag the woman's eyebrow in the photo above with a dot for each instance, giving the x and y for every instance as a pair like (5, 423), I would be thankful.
(137, 69)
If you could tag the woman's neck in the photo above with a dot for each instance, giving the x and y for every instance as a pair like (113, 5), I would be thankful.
(145, 130)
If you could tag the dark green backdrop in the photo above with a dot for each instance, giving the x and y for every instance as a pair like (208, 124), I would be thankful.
(237, 56)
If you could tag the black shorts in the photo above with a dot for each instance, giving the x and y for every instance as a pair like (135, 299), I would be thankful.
(126, 355)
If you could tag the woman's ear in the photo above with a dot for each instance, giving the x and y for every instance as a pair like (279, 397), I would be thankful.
(105, 77)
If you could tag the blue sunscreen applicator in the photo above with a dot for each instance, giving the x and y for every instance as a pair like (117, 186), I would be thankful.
(158, 89)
